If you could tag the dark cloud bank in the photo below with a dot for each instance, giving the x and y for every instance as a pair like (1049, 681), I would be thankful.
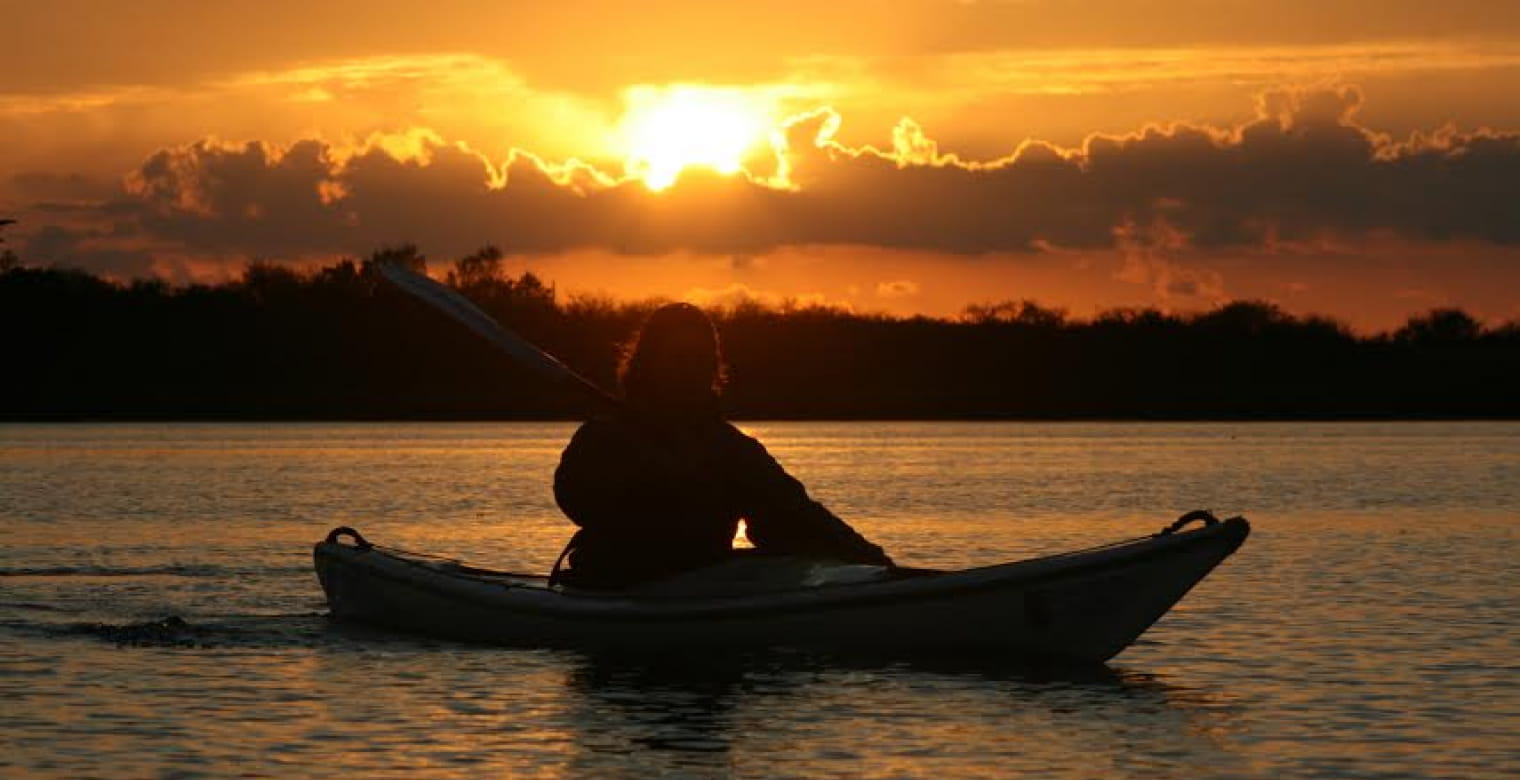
(1303, 170)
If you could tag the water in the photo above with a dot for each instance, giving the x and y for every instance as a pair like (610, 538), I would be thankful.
(1367, 629)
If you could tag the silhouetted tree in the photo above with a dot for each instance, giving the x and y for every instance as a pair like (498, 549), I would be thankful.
(530, 290)
(1440, 326)
(477, 269)
(265, 281)
(1509, 332)
(1246, 318)
(1023, 312)
(8, 259)
(404, 254)
(1134, 318)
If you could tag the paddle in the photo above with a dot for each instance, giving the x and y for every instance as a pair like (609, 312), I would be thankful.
(464, 311)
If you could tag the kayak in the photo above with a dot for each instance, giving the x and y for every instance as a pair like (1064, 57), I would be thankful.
(1086, 605)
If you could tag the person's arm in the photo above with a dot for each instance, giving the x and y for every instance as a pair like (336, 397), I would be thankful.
(595, 476)
(781, 517)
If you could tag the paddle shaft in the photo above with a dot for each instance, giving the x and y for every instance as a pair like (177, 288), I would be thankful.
(523, 352)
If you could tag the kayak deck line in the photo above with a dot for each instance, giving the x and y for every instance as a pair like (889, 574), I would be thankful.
(1084, 604)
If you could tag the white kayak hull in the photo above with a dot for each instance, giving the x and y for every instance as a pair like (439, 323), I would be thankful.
(1084, 606)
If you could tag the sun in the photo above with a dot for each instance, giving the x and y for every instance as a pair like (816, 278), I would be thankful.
(669, 129)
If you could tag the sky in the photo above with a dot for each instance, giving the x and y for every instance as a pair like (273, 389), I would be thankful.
(1353, 159)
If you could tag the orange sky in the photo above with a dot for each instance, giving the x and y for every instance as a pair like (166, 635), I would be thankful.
(905, 157)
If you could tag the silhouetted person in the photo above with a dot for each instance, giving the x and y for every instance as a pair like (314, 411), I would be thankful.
(660, 488)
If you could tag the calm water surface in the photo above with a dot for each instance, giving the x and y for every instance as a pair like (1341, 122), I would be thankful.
(1367, 629)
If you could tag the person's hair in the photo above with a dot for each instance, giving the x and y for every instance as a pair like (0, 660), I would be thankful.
(677, 345)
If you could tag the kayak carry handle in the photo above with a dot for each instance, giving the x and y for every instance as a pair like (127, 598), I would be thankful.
(1196, 515)
(343, 530)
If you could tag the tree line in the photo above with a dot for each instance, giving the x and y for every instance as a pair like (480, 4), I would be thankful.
(337, 342)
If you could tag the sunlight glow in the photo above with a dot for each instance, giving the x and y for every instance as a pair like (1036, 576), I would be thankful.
(669, 129)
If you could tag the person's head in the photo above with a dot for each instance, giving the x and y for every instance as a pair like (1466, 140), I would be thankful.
(674, 365)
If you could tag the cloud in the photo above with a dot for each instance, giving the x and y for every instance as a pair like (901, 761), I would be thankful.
(899, 288)
(104, 128)
(1152, 256)
(1303, 170)
(67, 187)
(738, 294)
(1081, 70)
(97, 250)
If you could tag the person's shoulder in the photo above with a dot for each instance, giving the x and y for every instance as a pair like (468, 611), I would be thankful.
(735, 437)
(731, 431)
(601, 428)
(603, 421)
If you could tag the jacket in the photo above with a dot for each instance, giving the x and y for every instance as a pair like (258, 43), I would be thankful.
(653, 500)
